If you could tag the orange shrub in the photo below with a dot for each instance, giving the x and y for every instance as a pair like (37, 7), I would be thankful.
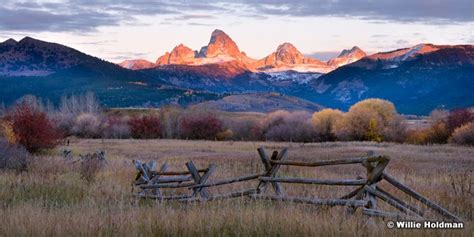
(463, 135)
(417, 136)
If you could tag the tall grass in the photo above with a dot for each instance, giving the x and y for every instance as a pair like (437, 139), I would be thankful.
(52, 199)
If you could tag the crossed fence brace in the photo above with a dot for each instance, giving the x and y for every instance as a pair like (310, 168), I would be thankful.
(365, 195)
(151, 182)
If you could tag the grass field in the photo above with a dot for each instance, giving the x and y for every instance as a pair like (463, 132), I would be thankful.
(52, 199)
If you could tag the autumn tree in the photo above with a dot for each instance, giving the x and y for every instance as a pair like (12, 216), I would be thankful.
(32, 128)
(458, 117)
(325, 121)
(145, 127)
(463, 135)
(282, 125)
(371, 119)
(203, 125)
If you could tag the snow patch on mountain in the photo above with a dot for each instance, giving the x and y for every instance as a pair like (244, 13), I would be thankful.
(346, 89)
(293, 76)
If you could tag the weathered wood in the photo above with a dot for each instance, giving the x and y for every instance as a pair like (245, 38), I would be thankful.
(420, 198)
(348, 182)
(262, 186)
(281, 156)
(176, 179)
(229, 181)
(198, 179)
(147, 169)
(375, 174)
(148, 196)
(151, 165)
(223, 196)
(357, 160)
(390, 201)
(139, 166)
(164, 173)
(264, 158)
(325, 202)
(203, 191)
(379, 213)
(156, 177)
(412, 208)
(372, 201)
(163, 168)
(196, 176)
(167, 185)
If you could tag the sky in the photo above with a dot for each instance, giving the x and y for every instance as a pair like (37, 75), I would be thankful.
(117, 30)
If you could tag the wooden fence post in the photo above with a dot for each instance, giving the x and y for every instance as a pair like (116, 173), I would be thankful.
(272, 171)
(420, 198)
(157, 191)
(198, 179)
(364, 196)
(372, 201)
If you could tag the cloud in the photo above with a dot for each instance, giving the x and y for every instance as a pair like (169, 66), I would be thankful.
(427, 11)
(402, 42)
(41, 20)
(120, 56)
(87, 16)
(98, 42)
(379, 36)
(186, 17)
(200, 24)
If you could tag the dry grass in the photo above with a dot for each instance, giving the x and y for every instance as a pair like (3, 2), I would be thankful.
(52, 199)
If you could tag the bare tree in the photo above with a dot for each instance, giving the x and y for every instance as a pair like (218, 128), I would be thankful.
(75, 105)
(91, 103)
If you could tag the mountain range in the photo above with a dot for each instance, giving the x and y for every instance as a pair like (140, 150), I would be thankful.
(222, 49)
(417, 79)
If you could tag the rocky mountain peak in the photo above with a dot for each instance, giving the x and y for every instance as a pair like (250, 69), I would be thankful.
(137, 64)
(181, 54)
(287, 53)
(347, 56)
(354, 50)
(220, 44)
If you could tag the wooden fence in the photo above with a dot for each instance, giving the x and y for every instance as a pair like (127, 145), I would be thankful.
(195, 183)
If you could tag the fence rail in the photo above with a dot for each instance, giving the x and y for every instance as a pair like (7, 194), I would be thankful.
(365, 196)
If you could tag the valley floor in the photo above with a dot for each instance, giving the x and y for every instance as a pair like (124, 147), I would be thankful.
(52, 199)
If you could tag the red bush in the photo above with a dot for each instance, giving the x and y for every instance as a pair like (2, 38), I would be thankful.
(200, 126)
(33, 129)
(145, 127)
(458, 117)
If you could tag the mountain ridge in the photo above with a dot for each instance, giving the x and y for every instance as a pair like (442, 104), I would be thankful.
(417, 79)
(221, 49)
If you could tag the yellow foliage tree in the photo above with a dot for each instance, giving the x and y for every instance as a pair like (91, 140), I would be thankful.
(7, 128)
(373, 133)
(325, 122)
(370, 119)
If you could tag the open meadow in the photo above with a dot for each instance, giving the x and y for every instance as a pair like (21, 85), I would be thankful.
(52, 198)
